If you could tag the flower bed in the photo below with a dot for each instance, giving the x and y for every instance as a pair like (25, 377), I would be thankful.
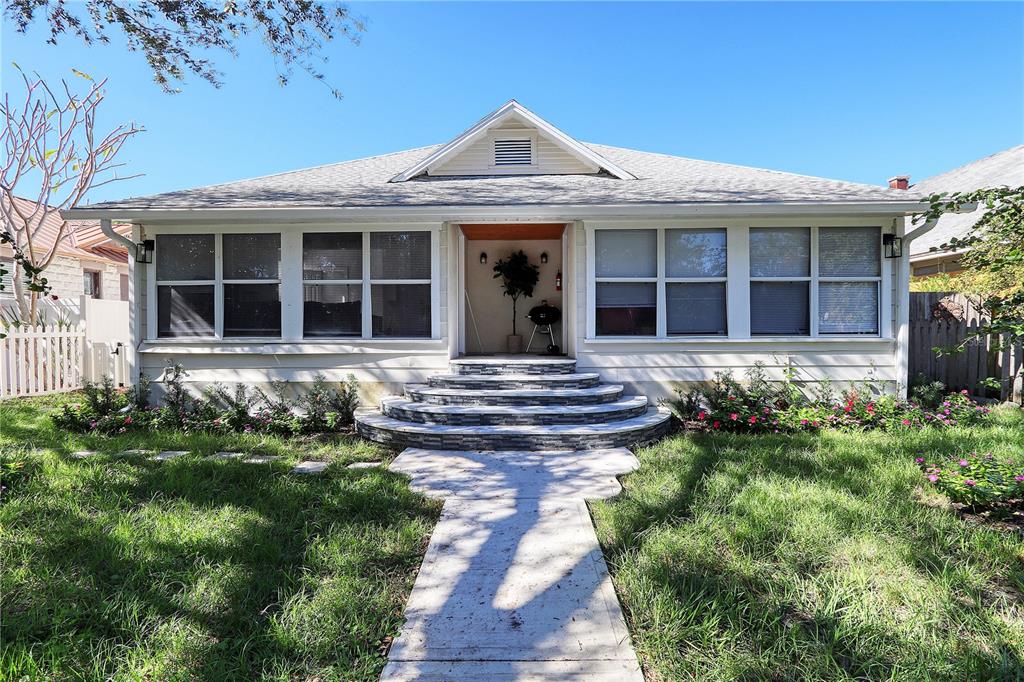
(760, 406)
(979, 482)
(321, 409)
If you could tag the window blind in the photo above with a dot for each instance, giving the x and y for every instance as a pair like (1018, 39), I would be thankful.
(626, 253)
(779, 308)
(848, 308)
(780, 252)
(849, 252)
(695, 253)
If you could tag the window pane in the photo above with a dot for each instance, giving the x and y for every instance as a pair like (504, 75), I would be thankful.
(332, 255)
(185, 310)
(626, 253)
(184, 256)
(848, 308)
(626, 309)
(849, 252)
(695, 253)
(780, 308)
(401, 310)
(780, 252)
(251, 256)
(697, 308)
(400, 255)
(332, 310)
(252, 310)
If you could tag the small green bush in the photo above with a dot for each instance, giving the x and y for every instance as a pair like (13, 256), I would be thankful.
(981, 482)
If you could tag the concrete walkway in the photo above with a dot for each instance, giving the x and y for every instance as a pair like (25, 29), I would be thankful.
(513, 585)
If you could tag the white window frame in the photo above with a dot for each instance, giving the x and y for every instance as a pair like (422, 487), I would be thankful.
(364, 291)
(218, 292)
(812, 289)
(291, 282)
(666, 280)
(738, 281)
(818, 279)
(219, 299)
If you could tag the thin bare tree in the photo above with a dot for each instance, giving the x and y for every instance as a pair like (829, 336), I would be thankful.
(52, 158)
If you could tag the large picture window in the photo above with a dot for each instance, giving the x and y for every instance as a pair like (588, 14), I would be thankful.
(831, 289)
(332, 284)
(185, 283)
(686, 268)
(252, 291)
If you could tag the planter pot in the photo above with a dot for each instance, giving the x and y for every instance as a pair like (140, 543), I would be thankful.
(515, 343)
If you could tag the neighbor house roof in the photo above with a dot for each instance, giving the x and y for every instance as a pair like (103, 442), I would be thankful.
(84, 240)
(619, 177)
(1004, 168)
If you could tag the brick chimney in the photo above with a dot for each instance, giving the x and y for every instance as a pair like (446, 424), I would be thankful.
(899, 182)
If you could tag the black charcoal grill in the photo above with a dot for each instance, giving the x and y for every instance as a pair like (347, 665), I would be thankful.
(544, 317)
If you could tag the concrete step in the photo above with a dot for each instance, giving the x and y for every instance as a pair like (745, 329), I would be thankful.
(383, 429)
(514, 381)
(529, 364)
(482, 415)
(604, 393)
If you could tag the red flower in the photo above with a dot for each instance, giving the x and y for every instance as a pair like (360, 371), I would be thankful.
(128, 419)
(753, 419)
(716, 424)
(701, 416)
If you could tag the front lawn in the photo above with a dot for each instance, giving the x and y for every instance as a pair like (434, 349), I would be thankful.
(815, 557)
(192, 569)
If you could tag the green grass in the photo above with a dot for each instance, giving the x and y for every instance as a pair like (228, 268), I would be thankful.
(124, 568)
(814, 557)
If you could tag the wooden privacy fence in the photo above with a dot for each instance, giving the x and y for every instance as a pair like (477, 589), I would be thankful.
(35, 361)
(944, 320)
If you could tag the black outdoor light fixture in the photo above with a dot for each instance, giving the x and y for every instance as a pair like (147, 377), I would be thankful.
(483, 258)
(144, 251)
(544, 257)
(893, 246)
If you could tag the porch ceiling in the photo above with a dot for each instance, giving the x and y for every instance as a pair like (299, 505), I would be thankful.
(474, 231)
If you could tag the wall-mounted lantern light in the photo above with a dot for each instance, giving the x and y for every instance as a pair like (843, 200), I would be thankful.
(483, 258)
(544, 257)
(893, 246)
(144, 251)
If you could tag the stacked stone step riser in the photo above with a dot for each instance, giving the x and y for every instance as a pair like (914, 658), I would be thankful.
(531, 442)
(472, 398)
(524, 367)
(478, 383)
(550, 418)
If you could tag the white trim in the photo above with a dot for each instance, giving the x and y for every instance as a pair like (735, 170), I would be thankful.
(495, 118)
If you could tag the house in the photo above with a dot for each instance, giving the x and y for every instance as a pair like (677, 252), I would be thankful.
(666, 269)
(1004, 168)
(87, 262)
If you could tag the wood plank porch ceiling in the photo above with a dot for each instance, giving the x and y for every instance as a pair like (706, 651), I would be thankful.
(475, 231)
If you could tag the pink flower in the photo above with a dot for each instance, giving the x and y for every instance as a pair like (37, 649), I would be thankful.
(248, 428)
(128, 419)
(969, 482)
(964, 392)
(753, 419)
(933, 478)
(919, 460)
(766, 411)
(963, 462)
(734, 416)
(803, 422)
(906, 422)
(1018, 478)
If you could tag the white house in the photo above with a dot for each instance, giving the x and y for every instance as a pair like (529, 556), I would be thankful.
(666, 269)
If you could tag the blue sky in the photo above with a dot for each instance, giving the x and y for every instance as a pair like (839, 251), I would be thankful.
(852, 91)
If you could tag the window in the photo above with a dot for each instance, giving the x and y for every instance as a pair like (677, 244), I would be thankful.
(631, 269)
(91, 286)
(339, 300)
(187, 285)
(6, 277)
(252, 297)
(834, 285)
(185, 279)
(695, 276)
(626, 270)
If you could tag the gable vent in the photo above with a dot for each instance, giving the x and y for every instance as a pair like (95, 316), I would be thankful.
(514, 152)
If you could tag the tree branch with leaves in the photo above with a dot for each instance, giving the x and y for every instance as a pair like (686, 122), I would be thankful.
(52, 158)
(174, 37)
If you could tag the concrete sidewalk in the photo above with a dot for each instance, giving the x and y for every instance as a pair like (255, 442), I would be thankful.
(514, 585)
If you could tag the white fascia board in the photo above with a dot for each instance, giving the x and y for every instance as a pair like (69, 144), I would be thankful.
(495, 118)
(510, 213)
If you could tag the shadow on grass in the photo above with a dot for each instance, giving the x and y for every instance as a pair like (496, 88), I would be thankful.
(724, 573)
(203, 569)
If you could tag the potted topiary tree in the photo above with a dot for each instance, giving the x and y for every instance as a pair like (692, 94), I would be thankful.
(518, 278)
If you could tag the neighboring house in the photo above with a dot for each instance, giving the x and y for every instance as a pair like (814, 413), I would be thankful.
(87, 262)
(667, 269)
(1004, 168)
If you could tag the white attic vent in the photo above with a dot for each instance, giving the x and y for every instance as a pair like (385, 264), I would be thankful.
(516, 151)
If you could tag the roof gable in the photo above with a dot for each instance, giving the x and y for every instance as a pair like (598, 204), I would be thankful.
(558, 153)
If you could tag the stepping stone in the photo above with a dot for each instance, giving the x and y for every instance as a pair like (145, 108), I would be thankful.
(136, 452)
(261, 459)
(309, 467)
(226, 455)
(363, 465)
(82, 454)
(169, 454)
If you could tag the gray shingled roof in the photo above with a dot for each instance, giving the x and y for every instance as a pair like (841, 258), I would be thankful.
(662, 179)
(1003, 168)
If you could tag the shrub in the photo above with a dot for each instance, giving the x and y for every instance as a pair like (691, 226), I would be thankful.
(980, 482)
(927, 393)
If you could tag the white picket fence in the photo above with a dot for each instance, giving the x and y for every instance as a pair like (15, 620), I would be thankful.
(37, 361)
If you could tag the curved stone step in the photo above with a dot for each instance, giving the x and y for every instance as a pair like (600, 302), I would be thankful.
(530, 364)
(383, 429)
(482, 415)
(603, 393)
(515, 381)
